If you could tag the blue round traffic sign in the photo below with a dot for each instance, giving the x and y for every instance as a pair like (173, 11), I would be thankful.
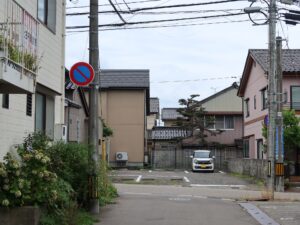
(82, 74)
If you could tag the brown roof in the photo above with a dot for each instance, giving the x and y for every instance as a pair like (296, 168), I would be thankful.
(290, 64)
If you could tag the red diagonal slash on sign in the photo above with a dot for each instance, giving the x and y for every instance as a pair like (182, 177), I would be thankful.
(82, 74)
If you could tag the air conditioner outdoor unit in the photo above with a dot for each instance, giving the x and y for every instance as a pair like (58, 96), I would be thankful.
(121, 156)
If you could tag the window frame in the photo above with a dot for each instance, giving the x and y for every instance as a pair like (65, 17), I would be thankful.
(264, 98)
(291, 97)
(43, 130)
(223, 122)
(29, 99)
(5, 101)
(49, 19)
(246, 151)
(259, 152)
(247, 107)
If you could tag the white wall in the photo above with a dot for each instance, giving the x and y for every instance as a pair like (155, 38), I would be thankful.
(14, 124)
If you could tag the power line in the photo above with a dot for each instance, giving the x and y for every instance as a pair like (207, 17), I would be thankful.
(194, 80)
(128, 3)
(169, 12)
(164, 7)
(159, 21)
(119, 15)
(163, 26)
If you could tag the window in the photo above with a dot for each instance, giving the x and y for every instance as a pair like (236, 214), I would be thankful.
(47, 13)
(221, 123)
(29, 105)
(246, 148)
(254, 102)
(295, 97)
(247, 110)
(40, 112)
(229, 122)
(5, 101)
(260, 149)
(264, 98)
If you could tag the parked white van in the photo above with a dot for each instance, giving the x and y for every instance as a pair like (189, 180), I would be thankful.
(202, 160)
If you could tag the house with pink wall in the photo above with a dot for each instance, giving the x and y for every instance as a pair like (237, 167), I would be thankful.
(253, 90)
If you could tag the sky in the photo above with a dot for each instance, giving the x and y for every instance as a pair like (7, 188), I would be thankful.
(199, 59)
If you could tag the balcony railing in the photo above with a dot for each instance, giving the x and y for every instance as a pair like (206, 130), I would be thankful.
(18, 49)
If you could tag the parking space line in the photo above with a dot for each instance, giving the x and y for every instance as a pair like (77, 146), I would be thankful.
(150, 171)
(138, 179)
(217, 185)
(199, 196)
(186, 171)
(221, 171)
(186, 179)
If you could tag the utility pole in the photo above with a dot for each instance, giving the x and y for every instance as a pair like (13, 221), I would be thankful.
(272, 99)
(93, 108)
(279, 122)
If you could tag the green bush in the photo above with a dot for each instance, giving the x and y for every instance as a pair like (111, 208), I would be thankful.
(107, 191)
(70, 162)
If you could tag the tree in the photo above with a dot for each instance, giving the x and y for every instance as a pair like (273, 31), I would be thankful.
(291, 129)
(195, 119)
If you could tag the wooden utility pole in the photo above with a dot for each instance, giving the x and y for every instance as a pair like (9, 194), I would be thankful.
(279, 122)
(272, 99)
(93, 108)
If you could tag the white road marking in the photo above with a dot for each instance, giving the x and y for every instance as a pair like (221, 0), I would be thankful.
(185, 196)
(186, 171)
(134, 193)
(150, 171)
(199, 196)
(138, 179)
(216, 185)
(186, 179)
(227, 199)
(221, 171)
(287, 218)
(179, 199)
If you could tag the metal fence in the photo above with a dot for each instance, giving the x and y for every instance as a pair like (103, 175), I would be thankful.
(172, 157)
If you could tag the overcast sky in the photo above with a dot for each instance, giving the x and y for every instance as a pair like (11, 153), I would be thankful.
(212, 54)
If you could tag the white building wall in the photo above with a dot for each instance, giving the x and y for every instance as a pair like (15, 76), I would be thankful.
(14, 124)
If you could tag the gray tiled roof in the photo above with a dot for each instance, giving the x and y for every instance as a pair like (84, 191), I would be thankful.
(154, 105)
(124, 79)
(290, 59)
(170, 114)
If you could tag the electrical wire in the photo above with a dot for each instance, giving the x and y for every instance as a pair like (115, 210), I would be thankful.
(160, 26)
(159, 21)
(128, 3)
(119, 15)
(194, 80)
(164, 7)
(170, 12)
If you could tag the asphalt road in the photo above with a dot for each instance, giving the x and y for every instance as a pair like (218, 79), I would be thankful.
(214, 180)
(139, 207)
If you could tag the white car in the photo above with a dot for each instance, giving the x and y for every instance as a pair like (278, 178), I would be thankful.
(202, 160)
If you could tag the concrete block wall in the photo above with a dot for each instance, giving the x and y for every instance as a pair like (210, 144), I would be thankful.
(251, 167)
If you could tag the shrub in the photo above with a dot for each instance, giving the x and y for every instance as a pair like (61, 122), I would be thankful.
(70, 162)
(107, 191)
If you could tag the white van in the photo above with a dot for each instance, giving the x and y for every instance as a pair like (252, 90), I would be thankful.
(202, 160)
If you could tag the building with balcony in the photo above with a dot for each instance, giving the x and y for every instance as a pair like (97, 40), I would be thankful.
(31, 70)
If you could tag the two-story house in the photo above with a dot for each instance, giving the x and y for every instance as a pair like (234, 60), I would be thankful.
(254, 92)
(32, 45)
(224, 108)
